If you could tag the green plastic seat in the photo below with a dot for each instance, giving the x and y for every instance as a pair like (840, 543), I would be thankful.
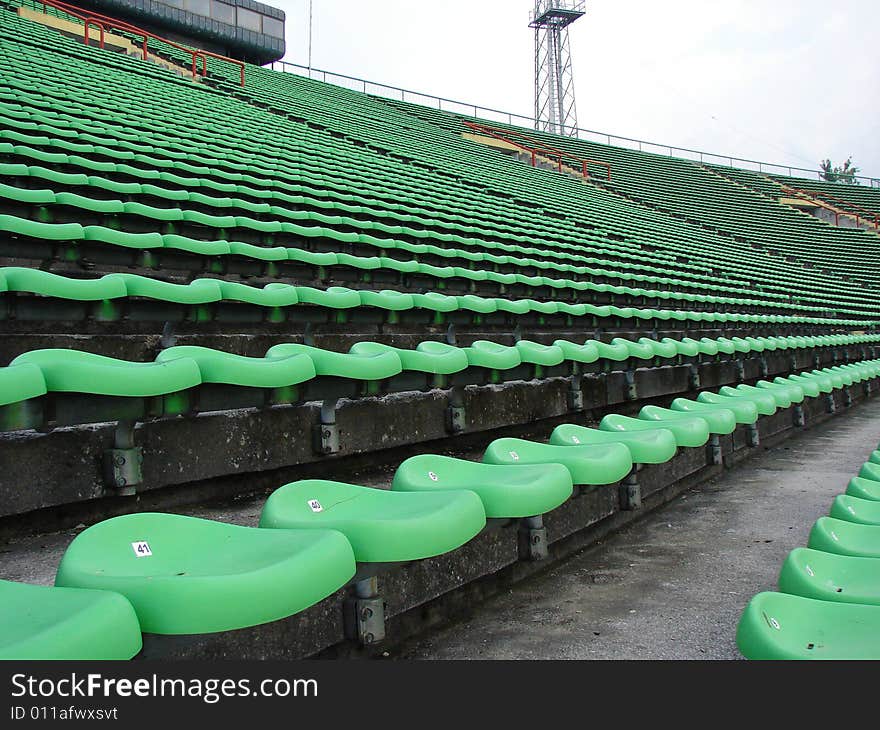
(718, 421)
(586, 353)
(614, 352)
(216, 366)
(185, 575)
(691, 348)
(382, 526)
(864, 488)
(506, 491)
(21, 382)
(492, 356)
(690, 432)
(34, 281)
(354, 366)
(436, 358)
(41, 622)
(708, 411)
(855, 509)
(765, 402)
(829, 577)
(870, 471)
(203, 291)
(792, 392)
(646, 447)
(588, 464)
(744, 410)
(83, 372)
(779, 394)
(782, 626)
(824, 382)
(810, 387)
(845, 538)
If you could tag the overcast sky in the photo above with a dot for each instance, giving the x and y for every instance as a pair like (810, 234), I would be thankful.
(787, 81)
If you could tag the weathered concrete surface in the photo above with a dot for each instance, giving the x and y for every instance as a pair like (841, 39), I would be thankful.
(672, 586)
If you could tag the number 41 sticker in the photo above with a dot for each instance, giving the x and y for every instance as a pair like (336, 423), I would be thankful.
(142, 549)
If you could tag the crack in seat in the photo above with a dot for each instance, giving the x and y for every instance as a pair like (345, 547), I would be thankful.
(204, 576)
(588, 464)
(506, 491)
(656, 446)
(42, 622)
(382, 526)
(783, 626)
(688, 431)
(845, 538)
(829, 577)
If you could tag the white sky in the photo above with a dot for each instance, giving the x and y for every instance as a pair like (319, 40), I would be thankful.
(786, 81)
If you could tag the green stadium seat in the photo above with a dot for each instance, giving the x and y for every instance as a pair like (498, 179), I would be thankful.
(719, 421)
(75, 371)
(782, 626)
(588, 464)
(864, 488)
(855, 509)
(688, 431)
(185, 575)
(507, 492)
(656, 446)
(40, 622)
(382, 526)
(845, 538)
(253, 372)
(829, 577)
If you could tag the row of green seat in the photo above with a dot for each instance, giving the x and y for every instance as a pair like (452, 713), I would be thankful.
(435, 305)
(38, 372)
(171, 574)
(364, 266)
(828, 604)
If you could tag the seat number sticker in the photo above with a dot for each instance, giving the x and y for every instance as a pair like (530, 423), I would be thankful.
(575, 440)
(142, 549)
(432, 476)
(514, 456)
(315, 505)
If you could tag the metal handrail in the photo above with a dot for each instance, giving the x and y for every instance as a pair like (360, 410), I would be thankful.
(833, 200)
(465, 109)
(105, 22)
(535, 147)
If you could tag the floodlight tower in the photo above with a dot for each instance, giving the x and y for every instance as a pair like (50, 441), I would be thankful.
(555, 109)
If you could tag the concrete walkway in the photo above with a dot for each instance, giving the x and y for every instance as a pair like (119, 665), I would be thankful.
(672, 586)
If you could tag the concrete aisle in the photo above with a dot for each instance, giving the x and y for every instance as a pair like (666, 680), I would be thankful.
(672, 586)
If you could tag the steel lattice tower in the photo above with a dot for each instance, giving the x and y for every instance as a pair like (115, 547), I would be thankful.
(555, 109)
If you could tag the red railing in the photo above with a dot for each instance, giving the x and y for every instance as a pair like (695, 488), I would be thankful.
(104, 23)
(840, 205)
(535, 148)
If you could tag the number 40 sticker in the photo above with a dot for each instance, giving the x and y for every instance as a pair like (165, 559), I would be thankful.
(142, 549)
